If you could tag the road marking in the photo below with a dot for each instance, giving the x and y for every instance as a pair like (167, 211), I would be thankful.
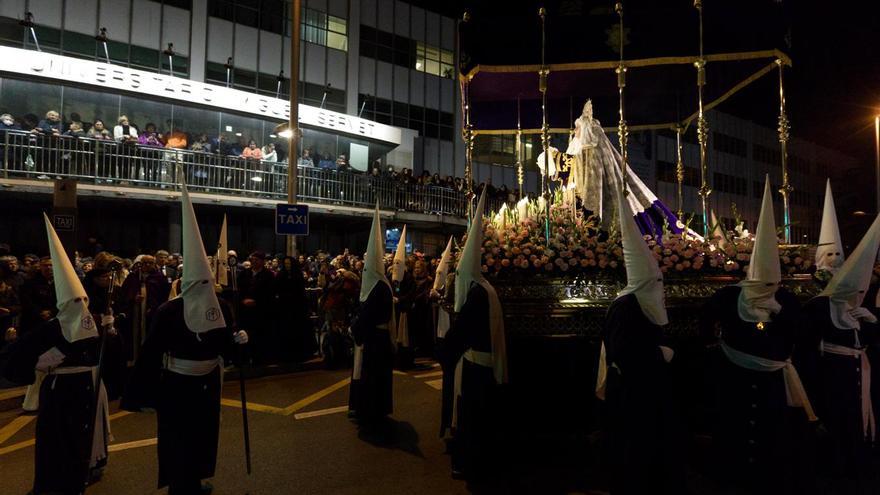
(253, 406)
(17, 446)
(438, 384)
(320, 412)
(398, 372)
(13, 393)
(296, 406)
(120, 414)
(132, 445)
(14, 426)
(429, 375)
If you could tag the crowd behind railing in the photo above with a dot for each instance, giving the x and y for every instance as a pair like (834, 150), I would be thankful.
(225, 164)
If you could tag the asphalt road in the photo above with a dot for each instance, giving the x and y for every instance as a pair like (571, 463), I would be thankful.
(302, 441)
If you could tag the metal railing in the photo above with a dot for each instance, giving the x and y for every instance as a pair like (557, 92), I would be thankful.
(108, 162)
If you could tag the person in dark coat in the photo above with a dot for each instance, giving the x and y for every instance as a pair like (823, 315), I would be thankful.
(256, 311)
(72, 422)
(403, 285)
(294, 326)
(757, 431)
(37, 297)
(96, 283)
(421, 318)
(371, 396)
(839, 332)
(143, 291)
(478, 337)
(645, 434)
(179, 372)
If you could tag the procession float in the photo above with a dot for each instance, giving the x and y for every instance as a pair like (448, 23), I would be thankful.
(556, 261)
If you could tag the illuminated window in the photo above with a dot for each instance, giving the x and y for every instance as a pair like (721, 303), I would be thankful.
(433, 60)
(323, 29)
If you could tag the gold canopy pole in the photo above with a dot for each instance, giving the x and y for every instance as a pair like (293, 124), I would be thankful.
(545, 127)
(702, 127)
(679, 170)
(622, 131)
(467, 132)
(519, 149)
(783, 129)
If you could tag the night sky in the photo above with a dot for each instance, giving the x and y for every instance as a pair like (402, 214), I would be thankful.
(833, 87)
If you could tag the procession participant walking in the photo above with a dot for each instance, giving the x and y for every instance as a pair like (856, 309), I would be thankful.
(839, 331)
(478, 337)
(180, 371)
(72, 429)
(756, 322)
(371, 396)
(645, 433)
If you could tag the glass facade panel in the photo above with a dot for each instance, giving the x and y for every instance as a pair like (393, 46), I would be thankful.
(28, 101)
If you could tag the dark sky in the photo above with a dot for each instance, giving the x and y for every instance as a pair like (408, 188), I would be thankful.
(833, 87)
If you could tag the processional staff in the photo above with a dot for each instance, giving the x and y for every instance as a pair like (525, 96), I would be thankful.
(622, 132)
(545, 127)
(467, 132)
(783, 129)
(702, 127)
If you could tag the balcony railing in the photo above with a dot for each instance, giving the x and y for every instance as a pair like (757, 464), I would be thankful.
(106, 162)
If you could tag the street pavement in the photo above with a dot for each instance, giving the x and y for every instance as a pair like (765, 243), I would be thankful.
(302, 443)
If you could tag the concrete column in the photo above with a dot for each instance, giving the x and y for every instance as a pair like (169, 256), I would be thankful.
(198, 41)
(354, 50)
(175, 244)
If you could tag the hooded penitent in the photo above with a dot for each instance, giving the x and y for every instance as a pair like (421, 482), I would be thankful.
(643, 276)
(757, 301)
(846, 290)
(221, 259)
(443, 266)
(829, 254)
(398, 266)
(469, 272)
(73, 303)
(374, 262)
(201, 310)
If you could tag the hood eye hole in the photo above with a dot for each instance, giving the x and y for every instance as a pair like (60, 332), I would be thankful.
(204, 282)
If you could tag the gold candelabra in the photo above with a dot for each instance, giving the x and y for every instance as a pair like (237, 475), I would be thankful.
(702, 127)
(783, 130)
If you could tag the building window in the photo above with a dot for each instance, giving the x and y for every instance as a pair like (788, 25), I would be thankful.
(765, 154)
(323, 29)
(730, 184)
(729, 144)
(433, 60)
(666, 172)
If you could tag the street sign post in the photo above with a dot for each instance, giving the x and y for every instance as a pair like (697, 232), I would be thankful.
(291, 219)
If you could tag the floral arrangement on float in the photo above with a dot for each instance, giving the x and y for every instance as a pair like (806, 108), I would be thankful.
(515, 246)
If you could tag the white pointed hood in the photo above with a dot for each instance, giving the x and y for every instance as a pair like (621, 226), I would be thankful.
(221, 259)
(398, 265)
(73, 303)
(829, 253)
(469, 271)
(643, 276)
(443, 267)
(717, 231)
(374, 258)
(847, 289)
(201, 309)
(757, 301)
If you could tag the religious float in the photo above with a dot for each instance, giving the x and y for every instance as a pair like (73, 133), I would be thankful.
(556, 262)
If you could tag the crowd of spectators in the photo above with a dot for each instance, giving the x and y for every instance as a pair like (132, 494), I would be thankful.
(288, 305)
(226, 144)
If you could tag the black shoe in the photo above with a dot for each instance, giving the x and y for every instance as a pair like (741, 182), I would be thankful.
(206, 488)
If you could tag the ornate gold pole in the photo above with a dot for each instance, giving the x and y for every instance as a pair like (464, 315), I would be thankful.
(702, 127)
(468, 130)
(519, 149)
(622, 132)
(783, 129)
(545, 127)
(679, 170)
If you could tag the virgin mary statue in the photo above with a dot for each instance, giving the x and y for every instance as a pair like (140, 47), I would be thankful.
(594, 167)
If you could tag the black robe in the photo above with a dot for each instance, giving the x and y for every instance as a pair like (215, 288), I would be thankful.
(66, 417)
(755, 429)
(371, 396)
(645, 433)
(188, 407)
(296, 334)
(834, 384)
(421, 317)
(405, 292)
(476, 435)
(115, 368)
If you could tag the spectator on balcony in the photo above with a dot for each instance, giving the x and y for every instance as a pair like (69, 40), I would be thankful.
(76, 119)
(201, 144)
(176, 139)
(7, 123)
(306, 159)
(342, 163)
(223, 146)
(124, 132)
(325, 160)
(252, 151)
(150, 137)
(29, 122)
(269, 153)
(51, 125)
(75, 130)
(99, 131)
